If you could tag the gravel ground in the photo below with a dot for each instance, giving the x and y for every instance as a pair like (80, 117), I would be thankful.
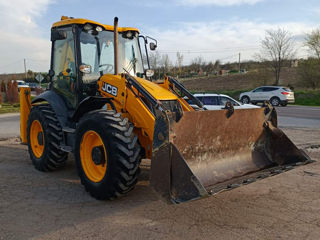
(36, 205)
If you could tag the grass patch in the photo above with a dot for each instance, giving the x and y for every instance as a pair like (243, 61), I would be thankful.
(9, 108)
(307, 97)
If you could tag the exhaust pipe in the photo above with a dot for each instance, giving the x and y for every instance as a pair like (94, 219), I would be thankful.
(115, 44)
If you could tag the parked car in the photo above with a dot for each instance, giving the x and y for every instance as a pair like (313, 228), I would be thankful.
(20, 83)
(33, 86)
(277, 95)
(213, 101)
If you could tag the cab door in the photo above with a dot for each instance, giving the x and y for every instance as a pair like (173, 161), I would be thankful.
(63, 64)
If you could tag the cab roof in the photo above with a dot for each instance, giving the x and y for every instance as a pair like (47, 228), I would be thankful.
(68, 20)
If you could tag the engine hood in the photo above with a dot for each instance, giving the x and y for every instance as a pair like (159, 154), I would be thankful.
(156, 91)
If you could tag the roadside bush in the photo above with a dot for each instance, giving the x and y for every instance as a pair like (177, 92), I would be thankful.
(3, 87)
(12, 92)
(307, 97)
(309, 72)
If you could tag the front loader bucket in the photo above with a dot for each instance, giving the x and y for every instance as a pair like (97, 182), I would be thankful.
(206, 152)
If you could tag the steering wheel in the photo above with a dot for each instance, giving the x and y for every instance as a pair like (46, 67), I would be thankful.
(109, 67)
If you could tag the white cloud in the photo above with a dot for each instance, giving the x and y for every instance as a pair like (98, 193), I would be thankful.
(21, 36)
(217, 2)
(220, 39)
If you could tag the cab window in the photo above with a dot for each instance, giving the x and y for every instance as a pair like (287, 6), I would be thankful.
(224, 100)
(269, 89)
(258, 90)
(212, 100)
(199, 98)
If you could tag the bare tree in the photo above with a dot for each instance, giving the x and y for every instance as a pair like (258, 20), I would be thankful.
(179, 61)
(166, 64)
(312, 41)
(155, 62)
(217, 65)
(155, 59)
(276, 48)
(197, 63)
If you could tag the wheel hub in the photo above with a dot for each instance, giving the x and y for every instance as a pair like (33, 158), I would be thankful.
(40, 138)
(98, 155)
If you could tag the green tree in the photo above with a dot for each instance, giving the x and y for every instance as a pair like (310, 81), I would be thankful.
(309, 71)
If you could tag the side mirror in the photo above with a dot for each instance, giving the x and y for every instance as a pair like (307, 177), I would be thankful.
(153, 46)
(58, 35)
(85, 68)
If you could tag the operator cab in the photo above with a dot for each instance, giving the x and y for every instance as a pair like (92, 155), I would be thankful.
(83, 51)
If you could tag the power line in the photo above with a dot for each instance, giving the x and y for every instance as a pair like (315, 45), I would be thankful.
(208, 50)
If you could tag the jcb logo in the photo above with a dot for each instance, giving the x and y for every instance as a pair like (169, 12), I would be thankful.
(110, 89)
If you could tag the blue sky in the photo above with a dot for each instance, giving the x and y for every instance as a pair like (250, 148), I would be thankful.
(212, 29)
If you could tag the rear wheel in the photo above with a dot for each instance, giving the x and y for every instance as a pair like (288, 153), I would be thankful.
(44, 135)
(275, 101)
(283, 104)
(107, 154)
(245, 100)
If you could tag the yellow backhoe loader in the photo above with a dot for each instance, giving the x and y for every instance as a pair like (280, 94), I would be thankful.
(102, 106)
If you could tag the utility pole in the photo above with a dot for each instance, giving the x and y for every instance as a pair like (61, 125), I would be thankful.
(239, 62)
(25, 68)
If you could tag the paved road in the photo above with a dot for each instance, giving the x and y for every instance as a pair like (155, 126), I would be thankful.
(299, 116)
(290, 116)
(9, 125)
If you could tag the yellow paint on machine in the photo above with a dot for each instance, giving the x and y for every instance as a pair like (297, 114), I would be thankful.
(25, 107)
(81, 21)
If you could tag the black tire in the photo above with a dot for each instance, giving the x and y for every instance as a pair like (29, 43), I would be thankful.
(275, 101)
(123, 154)
(52, 157)
(245, 100)
(283, 104)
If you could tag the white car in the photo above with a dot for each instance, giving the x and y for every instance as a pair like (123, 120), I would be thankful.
(21, 84)
(277, 95)
(212, 101)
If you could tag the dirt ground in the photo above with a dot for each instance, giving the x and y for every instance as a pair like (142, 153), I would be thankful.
(36, 205)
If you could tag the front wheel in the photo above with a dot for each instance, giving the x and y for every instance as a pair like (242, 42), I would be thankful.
(107, 154)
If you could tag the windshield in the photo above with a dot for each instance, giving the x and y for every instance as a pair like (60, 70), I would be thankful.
(97, 50)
